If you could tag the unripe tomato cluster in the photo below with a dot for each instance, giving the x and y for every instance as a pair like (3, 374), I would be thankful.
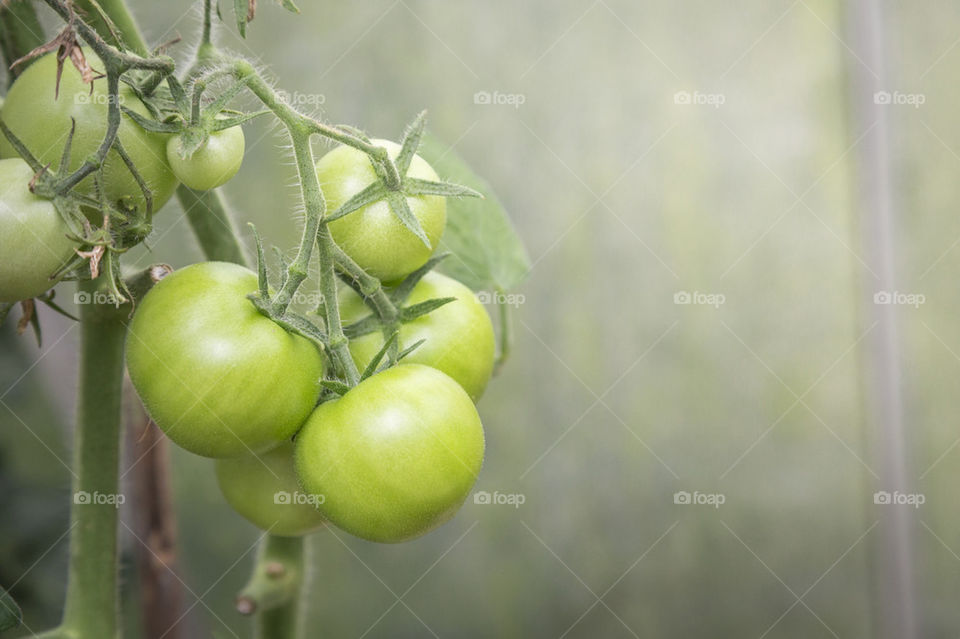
(387, 460)
(33, 236)
(391, 459)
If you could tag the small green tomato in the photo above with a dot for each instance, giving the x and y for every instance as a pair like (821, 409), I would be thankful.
(213, 164)
(264, 489)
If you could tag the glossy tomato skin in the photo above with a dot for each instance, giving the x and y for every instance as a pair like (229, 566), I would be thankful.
(395, 457)
(373, 236)
(265, 490)
(33, 236)
(218, 377)
(213, 164)
(459, 335)
(42, 122)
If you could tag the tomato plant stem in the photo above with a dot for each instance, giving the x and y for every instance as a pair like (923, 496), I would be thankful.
(123, 22)
(369, 287)
(274, 587)
(301, 128)
(211, 223)
(91, 605)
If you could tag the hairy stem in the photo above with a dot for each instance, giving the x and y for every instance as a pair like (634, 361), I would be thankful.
(301, 128)
(339, 344)
(108, 53)
(211, 223)
(119, 14)
(91, 606)
(369, 287)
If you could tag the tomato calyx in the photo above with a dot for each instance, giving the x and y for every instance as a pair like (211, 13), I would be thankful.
(288, 319)
(397, 295)
(192, 121)
(395, 189)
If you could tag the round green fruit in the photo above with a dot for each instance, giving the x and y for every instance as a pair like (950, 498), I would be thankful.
(33, 236)
(220, 379)
(265, 490)
(373, 235)
(395, 456)
(213, 164)
(42, 121)
(459, 335)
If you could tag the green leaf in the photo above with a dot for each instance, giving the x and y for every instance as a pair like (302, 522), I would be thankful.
(241, 7)
(289, 6)
(177, 93)
(362, 327)
(10, 615)
(151, 125)
(284, 265)
(410, 349)
(375, 362)
(339, 388)
(35, 325)
(48, 300)
(487, 252)
(400, 207)
(402, 291)
(411, 143)
(416, 186)
(227, 123)
(263, 283)
(64, 165)
(418, 310)
(369, 195)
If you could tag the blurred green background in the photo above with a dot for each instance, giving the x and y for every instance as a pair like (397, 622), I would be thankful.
(615, 397)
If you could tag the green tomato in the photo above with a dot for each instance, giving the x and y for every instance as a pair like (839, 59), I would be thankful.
(42, 122)
(459, 335)
(33, 236)
(373, 235)
(213, 164)
(220, 379)
(395, 456)
(265, 490)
